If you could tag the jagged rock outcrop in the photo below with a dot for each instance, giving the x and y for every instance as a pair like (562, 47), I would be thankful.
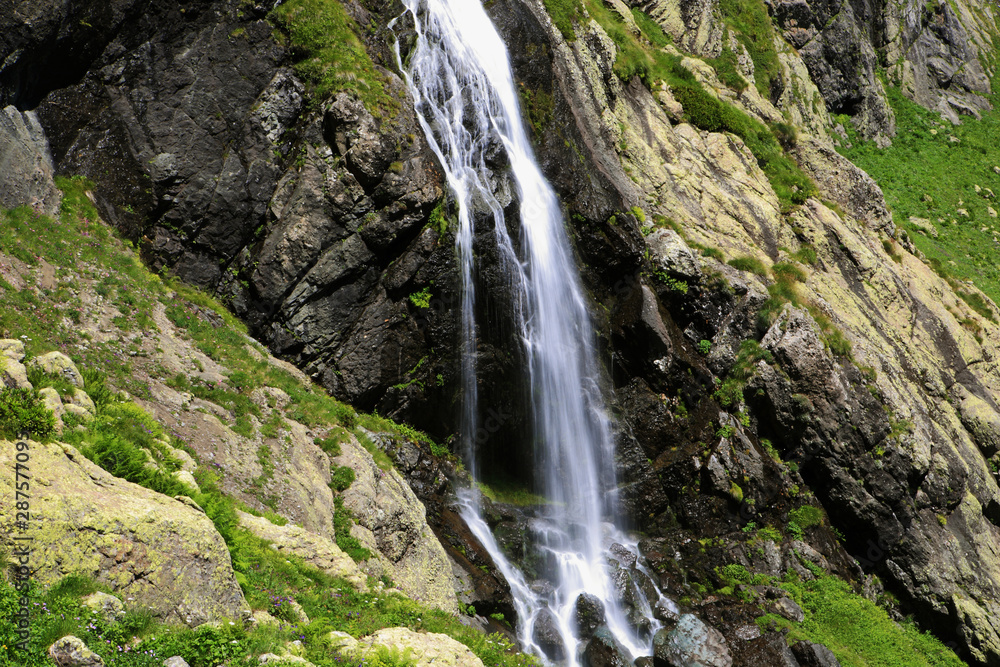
(155, 550)
(427, 649)
(391, 522)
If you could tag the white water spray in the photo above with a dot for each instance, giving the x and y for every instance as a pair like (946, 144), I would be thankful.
(460, 78)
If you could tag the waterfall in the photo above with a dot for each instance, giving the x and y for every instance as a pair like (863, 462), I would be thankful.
(460, 77)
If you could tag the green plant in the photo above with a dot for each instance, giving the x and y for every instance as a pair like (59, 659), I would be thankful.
(730, 391)
(421, 299)
(22, 411)
(705, 346)
(341, 478)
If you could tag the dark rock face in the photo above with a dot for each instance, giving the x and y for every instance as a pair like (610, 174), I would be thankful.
(814, 655)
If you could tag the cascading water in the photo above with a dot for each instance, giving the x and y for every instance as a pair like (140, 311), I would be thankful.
(460, 78)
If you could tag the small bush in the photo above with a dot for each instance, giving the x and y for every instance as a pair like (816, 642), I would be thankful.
(22, 411)
(341, 478)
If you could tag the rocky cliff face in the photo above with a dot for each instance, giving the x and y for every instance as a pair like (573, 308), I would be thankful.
(867, 381)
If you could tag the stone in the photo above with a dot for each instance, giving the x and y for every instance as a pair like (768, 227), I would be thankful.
(59, 365)
(589, 615)
(175, 661)
(82, 399)
(107, 605)
(146, 547)
(50, 397)
(809, 654)
(603, 650)
(315, 550)
(285, 659)
(77, 411)
(12, 348)
(691, 644)
(788, 609)
(671, 254)
(392, 523)
(186, 478)
(546, 635)
(427, 649)
(13, 374)
(70, 651)
(343, 643)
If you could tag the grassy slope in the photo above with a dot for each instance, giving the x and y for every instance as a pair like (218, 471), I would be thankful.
(926, 175)
(88, 260)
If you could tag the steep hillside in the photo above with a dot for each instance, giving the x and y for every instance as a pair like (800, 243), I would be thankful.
(227, 505)
(803, 369)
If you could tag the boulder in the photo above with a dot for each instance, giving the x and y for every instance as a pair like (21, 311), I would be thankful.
(110, 607)
(83, 400)
(70, 651)
(186, 478)
(589, 615)
(161, 553)
(691, 644)
(603, 650)
(59, 365)
(175, 661)
(12, 349)
(315, 550)
(546, 635)
(427, 649)
(809, 654)
(13, 374)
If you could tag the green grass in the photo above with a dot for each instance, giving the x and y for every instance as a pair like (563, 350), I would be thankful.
(748, 263)
(23, 412)
(329, 55)
(919, 178)
(730, 391)
(564, 13)
(750, 22)
(510, 493)
(859, 633)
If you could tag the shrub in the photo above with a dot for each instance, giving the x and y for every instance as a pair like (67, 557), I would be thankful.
(341, 478)
(806, 516)
(22, 411)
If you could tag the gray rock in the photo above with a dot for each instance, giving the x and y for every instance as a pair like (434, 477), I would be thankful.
(546, 635)
(589, 615)
(788, 609)
(175, 661)
(25, 163)
(12, 349)
(70, 651)
(59, 365)
(691, 644)
(108, 606)
(672, 254)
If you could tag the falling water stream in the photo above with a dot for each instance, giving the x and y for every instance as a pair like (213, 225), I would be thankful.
(460, 77)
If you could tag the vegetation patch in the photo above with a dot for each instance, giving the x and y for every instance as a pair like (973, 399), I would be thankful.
(859, 632)
(22, 412)
(329, 55)
(564, 13)
(917, 174)
(750, 22)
